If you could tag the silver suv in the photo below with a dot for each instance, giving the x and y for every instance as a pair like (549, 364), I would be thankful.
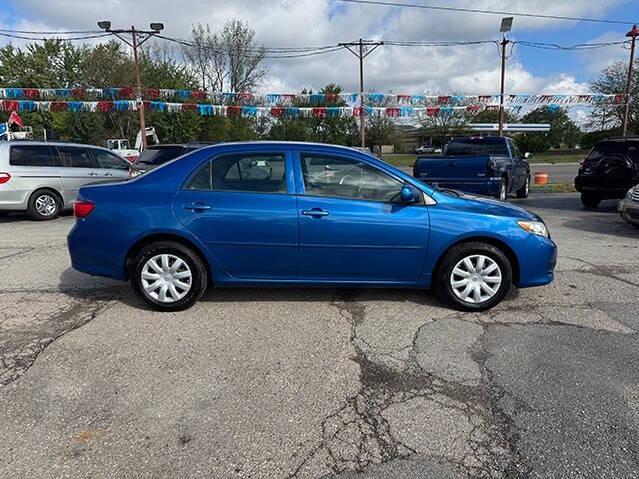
(629, 207)
(44, 178)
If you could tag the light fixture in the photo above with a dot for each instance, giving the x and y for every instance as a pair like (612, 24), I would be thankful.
(104, 24)
(157, 26)
(506, 24)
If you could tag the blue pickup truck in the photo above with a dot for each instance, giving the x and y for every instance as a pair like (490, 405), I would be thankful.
(491, 166)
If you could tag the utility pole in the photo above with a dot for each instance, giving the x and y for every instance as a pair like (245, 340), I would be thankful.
(361, 53)
(633, 34)
(138, 37)
(506, 25)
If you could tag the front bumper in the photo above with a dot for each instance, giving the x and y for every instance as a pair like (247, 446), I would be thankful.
(629, 211)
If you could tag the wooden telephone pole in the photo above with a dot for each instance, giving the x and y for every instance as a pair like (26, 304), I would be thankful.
(364, 48)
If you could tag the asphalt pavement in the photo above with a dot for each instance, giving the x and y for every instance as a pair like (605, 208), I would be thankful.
(323, 382)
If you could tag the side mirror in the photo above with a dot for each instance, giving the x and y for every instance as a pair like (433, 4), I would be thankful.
(408, 194)
(527, 155)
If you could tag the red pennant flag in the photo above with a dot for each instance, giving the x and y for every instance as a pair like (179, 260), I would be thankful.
(432, 111)
(277, 112)
(319, 112)
(15, 118)
(392, 111)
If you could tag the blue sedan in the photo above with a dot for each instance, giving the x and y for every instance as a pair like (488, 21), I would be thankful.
(284, 214)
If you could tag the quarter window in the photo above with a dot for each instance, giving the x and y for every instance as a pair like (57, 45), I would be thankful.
(347, 178)
(250, 173)
(109, 160)
(75, 157)
(202, 179)
(32, 155)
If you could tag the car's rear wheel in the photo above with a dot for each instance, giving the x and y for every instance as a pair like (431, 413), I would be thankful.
(168, 276)
(524, 191)
(44, 205)
(590, 199)
(474, 276)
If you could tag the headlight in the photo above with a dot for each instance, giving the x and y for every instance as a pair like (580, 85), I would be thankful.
(534, 227)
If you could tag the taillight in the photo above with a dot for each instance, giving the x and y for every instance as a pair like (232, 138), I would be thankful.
(4, 177)
(82, 208)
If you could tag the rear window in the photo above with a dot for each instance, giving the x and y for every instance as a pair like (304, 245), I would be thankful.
(478, 146)
(158, 156)
(605, 148)
(32, 155)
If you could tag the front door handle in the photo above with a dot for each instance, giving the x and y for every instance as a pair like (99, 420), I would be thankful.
(93, 173)
(315, 212)
(108, 174)
(197, 206)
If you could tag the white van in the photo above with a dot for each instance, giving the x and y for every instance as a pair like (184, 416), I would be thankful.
(44, 178)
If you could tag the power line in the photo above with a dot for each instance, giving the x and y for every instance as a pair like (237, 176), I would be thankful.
(490, 12)
(50, 32)
(22, 37)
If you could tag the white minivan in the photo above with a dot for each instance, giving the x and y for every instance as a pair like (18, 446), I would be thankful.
(44, 178)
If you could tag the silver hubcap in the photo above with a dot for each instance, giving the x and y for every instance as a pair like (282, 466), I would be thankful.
(502, 192)
(46, 205)
(166, 278)
(475, 279)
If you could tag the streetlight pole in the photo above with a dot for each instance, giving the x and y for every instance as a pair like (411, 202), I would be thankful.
(633, 34)
(506, 25)
(361, 53)
(138, 37)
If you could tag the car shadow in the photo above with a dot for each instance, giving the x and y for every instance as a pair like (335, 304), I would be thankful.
(564, 202)
(20, 216)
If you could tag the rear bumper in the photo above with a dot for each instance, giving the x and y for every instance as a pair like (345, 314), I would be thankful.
(629, 211)
(595, 184)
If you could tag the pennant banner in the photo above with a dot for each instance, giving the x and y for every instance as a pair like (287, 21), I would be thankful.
(206, 109)
(296, 99)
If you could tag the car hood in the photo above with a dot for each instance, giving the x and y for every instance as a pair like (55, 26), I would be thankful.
(495, 207)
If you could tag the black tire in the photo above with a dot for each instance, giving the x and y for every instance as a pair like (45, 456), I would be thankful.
(502, 193)
(524, 191)
(44, 205)
(443, 275)
(590, 199)
(198, 280)
(4, 213)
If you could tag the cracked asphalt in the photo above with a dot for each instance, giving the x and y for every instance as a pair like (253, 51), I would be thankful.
(323, 383)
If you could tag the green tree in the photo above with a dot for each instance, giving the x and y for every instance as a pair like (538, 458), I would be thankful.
(563, 131)
(611, 81)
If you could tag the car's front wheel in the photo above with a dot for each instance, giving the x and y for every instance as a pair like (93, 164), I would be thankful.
(168, 276)
(474, 276)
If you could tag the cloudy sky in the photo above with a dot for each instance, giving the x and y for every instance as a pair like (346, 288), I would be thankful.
(463, 69)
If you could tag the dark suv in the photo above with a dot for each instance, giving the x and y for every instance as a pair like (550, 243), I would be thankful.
(609, 171)
(157, 155)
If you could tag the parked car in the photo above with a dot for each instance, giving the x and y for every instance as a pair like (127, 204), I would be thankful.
(629, 207)
(302, 214)
(491, 166)
(425, 148)
(44, 178)
(611, 167)
(157, 155)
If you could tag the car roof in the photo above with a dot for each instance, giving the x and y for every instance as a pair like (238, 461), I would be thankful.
(52, 143)
(281, 144)
(619, 139)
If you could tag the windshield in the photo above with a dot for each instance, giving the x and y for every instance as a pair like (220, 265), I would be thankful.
(475, 146)
(605, 148)
(158, 156)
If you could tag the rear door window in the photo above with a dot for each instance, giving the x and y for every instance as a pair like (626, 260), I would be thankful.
(32, 155)
(606, 148)
(76, 157)
(250, 173)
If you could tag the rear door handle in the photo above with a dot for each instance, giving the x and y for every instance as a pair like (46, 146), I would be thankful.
(93, 173)
(108, 174)
(197, 206)
(316, 212)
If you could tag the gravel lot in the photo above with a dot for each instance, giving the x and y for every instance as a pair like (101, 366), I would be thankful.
(309, 383)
